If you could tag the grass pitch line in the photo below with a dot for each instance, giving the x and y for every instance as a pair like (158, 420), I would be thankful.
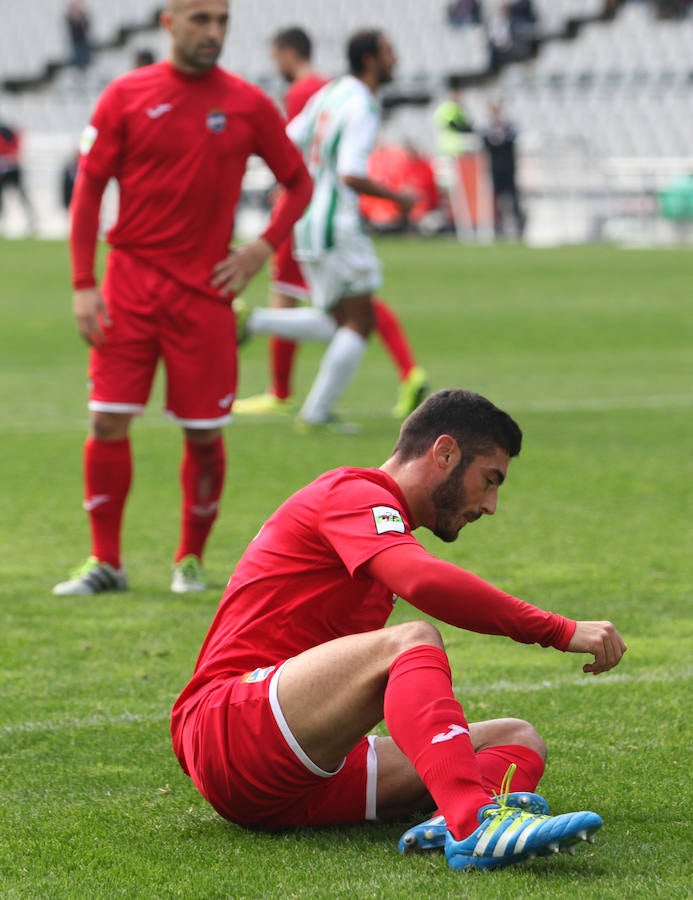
(128, 718)
(582, 681)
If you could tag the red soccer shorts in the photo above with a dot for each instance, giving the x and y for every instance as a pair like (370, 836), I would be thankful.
(287, 277)
(237, 748)
(152, 317)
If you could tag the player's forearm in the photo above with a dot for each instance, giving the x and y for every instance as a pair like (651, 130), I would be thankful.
(371, 188)
(291, 202)
(460, 598)
(84, 228)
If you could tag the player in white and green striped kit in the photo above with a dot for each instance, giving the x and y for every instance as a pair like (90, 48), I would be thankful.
(336, 132)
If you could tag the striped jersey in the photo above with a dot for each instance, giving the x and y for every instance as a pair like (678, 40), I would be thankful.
(336, 132)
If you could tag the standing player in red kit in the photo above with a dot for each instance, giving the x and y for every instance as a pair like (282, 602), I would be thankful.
(292, 52)
(176, 135)
(298, 667)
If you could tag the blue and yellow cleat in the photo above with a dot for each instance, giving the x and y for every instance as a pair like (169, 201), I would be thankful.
(430, 835)
(507, 835)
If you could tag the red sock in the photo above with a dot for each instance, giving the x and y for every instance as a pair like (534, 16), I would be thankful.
(494, 761)
(394, 339)
(282, 354)
(428, 725)
(202, 478)
(107, 467)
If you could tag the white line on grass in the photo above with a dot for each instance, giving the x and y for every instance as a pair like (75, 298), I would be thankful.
(588, 681)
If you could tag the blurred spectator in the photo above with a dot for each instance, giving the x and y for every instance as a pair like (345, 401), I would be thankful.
(511, 32)
(67, 179)
(463, 12)
(419, 178)
(499, 140)
(453, 125)
(78, 24)
(402, 169)
(143, 57)
(11, 175)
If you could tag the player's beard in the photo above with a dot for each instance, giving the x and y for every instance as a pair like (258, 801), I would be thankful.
(449, 501)
(203, 61)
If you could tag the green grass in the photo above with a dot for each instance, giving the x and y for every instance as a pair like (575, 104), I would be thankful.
(591, 349)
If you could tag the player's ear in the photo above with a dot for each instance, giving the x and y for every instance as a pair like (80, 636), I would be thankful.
(446, 451)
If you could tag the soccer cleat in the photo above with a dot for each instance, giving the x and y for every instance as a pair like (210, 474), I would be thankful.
(92, 577)
(187, 576)
(430, 835)
(242, 312)
(264, 405)
(507, 835)
(411, 392)
(332, 425)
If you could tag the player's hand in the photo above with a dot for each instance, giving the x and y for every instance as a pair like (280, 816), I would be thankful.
(233, 273)
(601, 640)
(406, 200)
(91, 315)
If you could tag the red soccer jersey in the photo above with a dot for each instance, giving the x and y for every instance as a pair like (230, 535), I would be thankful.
(300, 92)
(298, 583)
(178, 145)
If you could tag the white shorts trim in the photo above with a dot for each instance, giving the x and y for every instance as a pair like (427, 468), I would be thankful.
(287, 733)
(371, 780)
(135, 409)
(199, 423)
(290, 290)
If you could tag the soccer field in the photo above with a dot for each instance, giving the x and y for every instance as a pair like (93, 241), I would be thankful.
(591, 350)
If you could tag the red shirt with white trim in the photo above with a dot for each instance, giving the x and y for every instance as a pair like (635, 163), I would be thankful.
(178, 145)
(303, 580)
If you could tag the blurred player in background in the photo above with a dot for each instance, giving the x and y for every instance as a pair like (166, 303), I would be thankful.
(298, 666)
(336, 132)
(292, 52)
(176, 135)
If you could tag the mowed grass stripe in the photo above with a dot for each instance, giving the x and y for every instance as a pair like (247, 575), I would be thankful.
(615, 679)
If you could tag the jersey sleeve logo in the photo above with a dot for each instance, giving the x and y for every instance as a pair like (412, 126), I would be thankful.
(86, 141)
(388, 519)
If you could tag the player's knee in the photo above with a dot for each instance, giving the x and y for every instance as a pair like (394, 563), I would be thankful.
(526, 735)
(109, 426)
(413, 634)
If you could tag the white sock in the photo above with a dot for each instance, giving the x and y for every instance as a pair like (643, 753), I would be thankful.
(302, 323)
(341, 360)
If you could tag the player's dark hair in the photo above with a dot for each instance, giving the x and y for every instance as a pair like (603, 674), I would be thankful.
(362, 45)
(296, 39)
(477, 425)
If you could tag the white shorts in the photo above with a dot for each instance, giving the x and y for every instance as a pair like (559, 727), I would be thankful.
(346, 271)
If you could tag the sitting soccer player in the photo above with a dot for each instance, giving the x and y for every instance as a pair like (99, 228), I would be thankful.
(298, 667)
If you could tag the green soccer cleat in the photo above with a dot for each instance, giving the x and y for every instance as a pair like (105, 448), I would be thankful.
(411, 392)
(187, 576)
(264, 405)
(92, 577)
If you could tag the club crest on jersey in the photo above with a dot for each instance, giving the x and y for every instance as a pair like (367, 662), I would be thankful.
(257, 675)
(387, 519)
(216, 121)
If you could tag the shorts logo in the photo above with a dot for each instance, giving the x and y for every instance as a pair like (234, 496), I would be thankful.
(216, 121)
(257, 675)
(226, 401)
(388, 519)
(86, 141)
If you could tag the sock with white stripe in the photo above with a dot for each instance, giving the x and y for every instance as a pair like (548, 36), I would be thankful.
(302, 323)
(338, 366)
(428, 725)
